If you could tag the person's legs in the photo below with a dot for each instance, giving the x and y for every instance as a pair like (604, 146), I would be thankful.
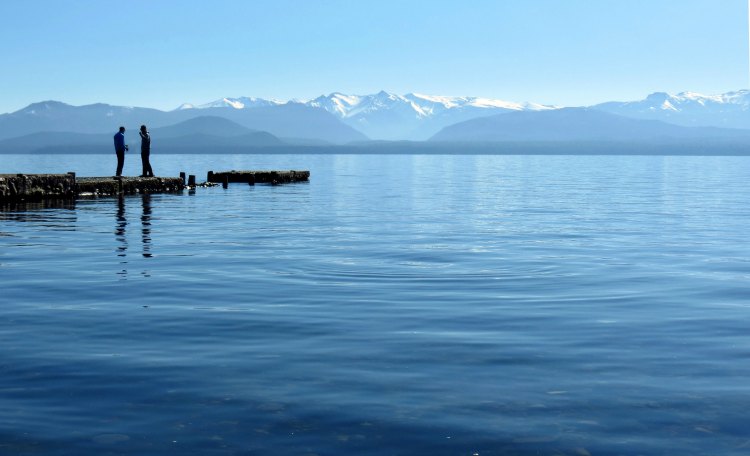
(144, 164)
(120, 162)
(147, 167)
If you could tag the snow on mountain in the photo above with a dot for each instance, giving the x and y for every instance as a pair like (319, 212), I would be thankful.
(416, 116)
(342, 118)
(352, 106)
(417, 104)
(412, 116)
(474, 102)
(336, 103)
(236, 103)
(691, 100)
(386, 115)
(730, 109)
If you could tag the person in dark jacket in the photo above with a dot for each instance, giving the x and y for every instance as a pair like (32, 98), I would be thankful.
(146, 152)
(120, 148)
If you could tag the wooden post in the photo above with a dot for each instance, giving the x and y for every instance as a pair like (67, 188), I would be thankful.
(191, 180)
(225, 181)
(182, 176)
(210, 177)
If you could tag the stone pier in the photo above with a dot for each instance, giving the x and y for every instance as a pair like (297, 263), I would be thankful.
(37, 187)
(108, 186)
(258, 177)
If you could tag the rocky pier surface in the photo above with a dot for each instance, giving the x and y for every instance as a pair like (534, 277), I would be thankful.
(37, 187)
(258, 177)
(108, 186)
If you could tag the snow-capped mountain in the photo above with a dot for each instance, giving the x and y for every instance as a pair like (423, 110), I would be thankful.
(236, 103)
(340, 119)
(394, 117)
(412, 116)
(379, 116)
(730, 109)
(414, 104)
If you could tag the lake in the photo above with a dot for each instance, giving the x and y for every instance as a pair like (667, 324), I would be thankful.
(400, 304)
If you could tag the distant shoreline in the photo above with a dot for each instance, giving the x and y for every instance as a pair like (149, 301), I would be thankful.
(717, 148)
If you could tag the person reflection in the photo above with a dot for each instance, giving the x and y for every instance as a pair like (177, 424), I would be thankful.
(121, 224)
(146, 225)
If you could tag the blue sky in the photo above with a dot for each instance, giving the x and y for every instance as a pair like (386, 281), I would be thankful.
(161, 53)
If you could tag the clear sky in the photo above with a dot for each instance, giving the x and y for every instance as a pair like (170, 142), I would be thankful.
(161, 53)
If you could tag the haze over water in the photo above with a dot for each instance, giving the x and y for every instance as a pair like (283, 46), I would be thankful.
(457, 305)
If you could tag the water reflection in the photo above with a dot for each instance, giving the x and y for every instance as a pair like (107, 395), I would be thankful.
(121, 224)
(45, 213)
(120, 228)
(146, 225)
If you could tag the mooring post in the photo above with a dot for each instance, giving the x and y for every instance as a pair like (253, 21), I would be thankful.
(210, 176)
(182, 176)
(191, 180)
(225, 181)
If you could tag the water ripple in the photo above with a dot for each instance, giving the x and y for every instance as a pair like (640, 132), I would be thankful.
(394, 305)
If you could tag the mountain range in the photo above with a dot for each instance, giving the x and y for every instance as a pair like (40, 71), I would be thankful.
(291, 120)
(415, 117)
(387, 116)
(338, 119)
(197, 134)
(690, 109)
(578, 124)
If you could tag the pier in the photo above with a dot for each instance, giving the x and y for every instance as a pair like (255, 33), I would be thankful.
(258, 177)
(38, 187)
(109, 186)
(35, 187)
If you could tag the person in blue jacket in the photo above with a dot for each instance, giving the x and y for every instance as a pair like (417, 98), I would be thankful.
(120, 148)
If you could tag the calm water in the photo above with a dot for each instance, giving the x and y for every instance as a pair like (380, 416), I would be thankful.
(410, 305)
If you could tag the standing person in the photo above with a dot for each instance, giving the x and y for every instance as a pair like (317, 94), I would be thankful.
(146, 152)
(120, 148)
